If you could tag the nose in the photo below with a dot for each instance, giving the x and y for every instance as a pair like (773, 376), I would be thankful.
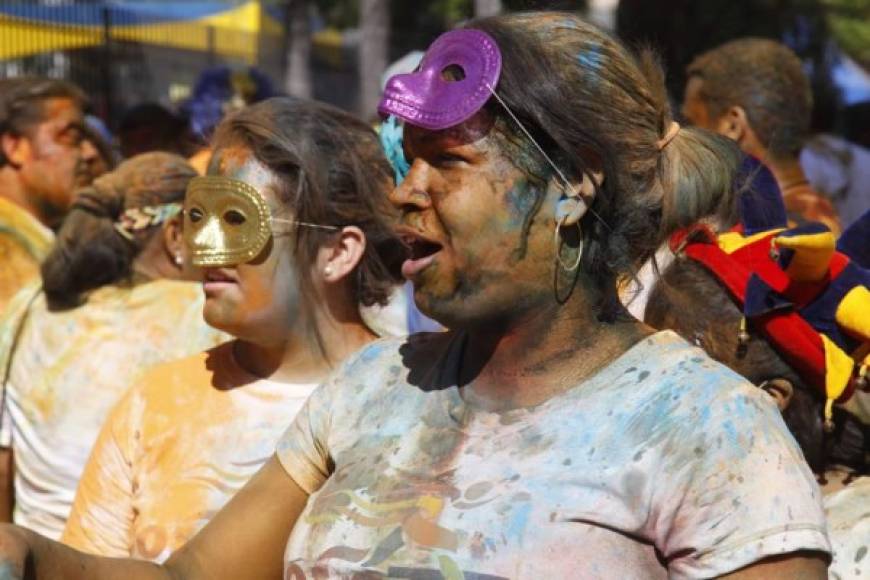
(88, 150)
(412, 194)
(208, 237)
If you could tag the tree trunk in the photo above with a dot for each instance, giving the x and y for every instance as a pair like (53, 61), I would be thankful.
(484, 8)
(373, 51)
(297, 68)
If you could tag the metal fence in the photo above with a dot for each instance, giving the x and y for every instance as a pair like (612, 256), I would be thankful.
(121, 58)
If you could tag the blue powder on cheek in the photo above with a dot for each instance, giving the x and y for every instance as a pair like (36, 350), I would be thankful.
(521, 201)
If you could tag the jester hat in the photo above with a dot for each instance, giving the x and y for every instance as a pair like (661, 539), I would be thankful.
(807, 293)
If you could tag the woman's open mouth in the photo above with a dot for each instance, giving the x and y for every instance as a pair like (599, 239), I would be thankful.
(422, 250)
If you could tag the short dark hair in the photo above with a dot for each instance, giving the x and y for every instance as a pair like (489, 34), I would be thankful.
(767, 80)
(21, 101)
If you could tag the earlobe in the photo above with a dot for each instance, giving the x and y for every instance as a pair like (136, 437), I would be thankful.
(733, 124)
(173, 240)
(345, 254)
(781, 390)
(575, 201)
(16, 149)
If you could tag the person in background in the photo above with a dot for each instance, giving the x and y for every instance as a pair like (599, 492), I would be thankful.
(839, 169)
(190, 433)
(755, 92)
(219, 91)
(43, 155)
(151, 127)
(789, 310)
(110, 304)
(105, 159)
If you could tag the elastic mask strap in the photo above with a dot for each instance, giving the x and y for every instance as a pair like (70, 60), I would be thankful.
(305, 224)
(566, 185)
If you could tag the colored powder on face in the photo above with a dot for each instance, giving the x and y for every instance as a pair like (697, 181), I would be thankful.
(520, 201)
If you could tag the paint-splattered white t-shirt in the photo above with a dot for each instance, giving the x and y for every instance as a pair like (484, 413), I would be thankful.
(665, 463)
(848, 512)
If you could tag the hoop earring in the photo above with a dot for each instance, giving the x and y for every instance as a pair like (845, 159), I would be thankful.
(557, 246)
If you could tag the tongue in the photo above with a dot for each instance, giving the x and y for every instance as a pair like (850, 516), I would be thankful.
(414, 266)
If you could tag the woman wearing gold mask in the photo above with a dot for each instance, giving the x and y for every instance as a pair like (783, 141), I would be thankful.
(291, 228)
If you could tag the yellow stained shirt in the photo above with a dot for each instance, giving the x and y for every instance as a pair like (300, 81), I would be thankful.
(68, 368)
(24, 243)
(180, 443)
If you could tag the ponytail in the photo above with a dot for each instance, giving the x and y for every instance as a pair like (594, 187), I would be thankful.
(93, 247)
(697, 168)
(697, 175)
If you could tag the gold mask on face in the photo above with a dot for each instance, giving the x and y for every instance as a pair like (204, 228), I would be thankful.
(226, 221)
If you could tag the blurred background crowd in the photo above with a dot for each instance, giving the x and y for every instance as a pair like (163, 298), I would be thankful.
(191, 57)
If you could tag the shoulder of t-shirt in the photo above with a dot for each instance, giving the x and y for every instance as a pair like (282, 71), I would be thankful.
(666, 362)
(698, 394)
(20, 301)
(192, 372)
(161, 288)
(382, 362)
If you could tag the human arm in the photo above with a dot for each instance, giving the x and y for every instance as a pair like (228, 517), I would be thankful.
(7, 489)
(245, 539)
(797, 566)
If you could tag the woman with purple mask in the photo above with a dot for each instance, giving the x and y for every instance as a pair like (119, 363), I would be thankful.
(547, 433)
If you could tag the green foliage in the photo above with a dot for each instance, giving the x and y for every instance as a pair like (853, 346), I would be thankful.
(449, 12)
(339, 14)
(849, 22)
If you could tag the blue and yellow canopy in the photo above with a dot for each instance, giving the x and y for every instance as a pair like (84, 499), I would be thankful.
(27, 30)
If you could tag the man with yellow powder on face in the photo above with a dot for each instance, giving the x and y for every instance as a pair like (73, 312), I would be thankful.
(43, 152)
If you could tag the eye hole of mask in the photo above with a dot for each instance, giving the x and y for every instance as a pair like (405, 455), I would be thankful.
(195, 215)
(452, 73)
(234, 217)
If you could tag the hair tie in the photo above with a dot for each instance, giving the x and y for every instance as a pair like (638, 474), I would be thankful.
(669, 136)
(136, 219)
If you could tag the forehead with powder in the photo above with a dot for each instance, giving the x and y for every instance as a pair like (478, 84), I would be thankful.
(239, 163)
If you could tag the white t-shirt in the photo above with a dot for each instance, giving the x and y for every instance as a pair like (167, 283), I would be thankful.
(173, 452)
(70, 367)
(665, 463)
(848, 512)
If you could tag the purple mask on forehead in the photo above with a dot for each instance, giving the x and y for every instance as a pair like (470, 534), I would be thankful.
(425, 99)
